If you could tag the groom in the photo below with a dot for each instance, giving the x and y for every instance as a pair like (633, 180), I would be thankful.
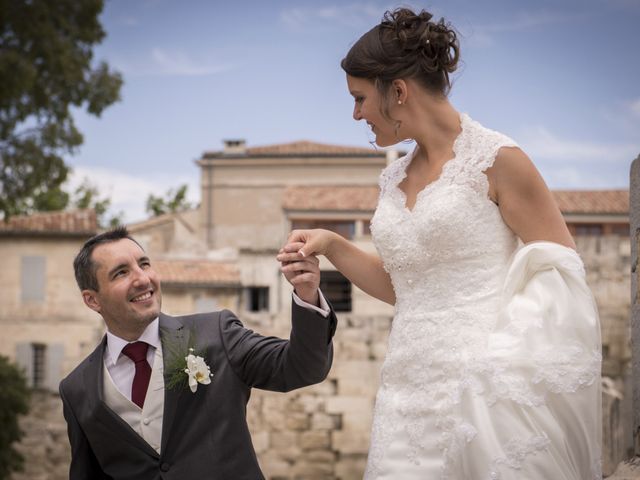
(132, 411)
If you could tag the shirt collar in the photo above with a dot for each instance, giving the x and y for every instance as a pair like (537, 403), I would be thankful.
(115, 344)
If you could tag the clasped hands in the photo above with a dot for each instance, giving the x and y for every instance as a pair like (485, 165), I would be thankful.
(299, 262)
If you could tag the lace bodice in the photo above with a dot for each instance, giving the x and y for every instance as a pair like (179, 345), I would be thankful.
(448, 259)
(454, 227)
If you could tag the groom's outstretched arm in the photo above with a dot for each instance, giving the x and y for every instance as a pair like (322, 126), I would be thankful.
(282, 365)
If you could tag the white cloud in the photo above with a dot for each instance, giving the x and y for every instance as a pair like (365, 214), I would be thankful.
(162, 62)
(634, 106)
(128, 21)
(483, 35)
(178, 63)
(352, 15)
(128, 193)
(540, 143)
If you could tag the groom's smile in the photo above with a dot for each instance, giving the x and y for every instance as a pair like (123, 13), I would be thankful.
(128, 295)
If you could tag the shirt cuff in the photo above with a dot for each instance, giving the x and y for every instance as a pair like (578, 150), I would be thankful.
(323, 310)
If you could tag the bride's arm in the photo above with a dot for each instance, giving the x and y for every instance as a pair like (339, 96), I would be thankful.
(362, 269)
(525, 202)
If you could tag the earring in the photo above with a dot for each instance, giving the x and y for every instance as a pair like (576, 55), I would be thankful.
(399, 102)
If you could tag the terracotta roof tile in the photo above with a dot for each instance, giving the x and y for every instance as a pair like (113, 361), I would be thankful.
(365, 199)
(593, 201)
(331, 198)
(301, 148)
(73, 222)
(197, 272)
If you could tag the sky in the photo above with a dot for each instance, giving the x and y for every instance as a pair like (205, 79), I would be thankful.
(562, 78)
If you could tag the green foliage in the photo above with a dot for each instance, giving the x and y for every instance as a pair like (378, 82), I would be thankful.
(88, 196)
(14, 401)
(46, 52)
(173, 201)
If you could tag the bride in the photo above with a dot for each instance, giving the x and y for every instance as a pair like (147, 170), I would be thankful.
(493, 363)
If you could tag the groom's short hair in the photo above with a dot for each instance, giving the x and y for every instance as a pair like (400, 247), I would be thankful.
(84, 267)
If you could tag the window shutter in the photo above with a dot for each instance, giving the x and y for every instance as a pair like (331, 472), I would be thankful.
(33, 279)
(53, 367)
(24, 359)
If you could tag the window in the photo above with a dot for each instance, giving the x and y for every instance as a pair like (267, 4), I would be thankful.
(621, 230)
(257, 299)
(33, 279)
(39, 376)
(337, 290)
(346, 228)
(42, 364)
(594, 229)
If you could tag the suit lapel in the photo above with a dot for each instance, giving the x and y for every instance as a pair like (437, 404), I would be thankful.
(172, 336)
(104, 414)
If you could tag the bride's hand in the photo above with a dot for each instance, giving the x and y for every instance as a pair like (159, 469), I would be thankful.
(316, 242)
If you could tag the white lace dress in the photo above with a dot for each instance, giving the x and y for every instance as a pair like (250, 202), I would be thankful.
(493, 362)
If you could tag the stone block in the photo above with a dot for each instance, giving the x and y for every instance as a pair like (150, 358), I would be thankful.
(346, 442)
(348, 404)
(350, 467)
(297, 421)
(260, 441)
(324, 421)
(315, 440)
(312, 470)
(273, 466)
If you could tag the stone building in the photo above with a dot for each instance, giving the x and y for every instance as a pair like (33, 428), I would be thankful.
(222, 255)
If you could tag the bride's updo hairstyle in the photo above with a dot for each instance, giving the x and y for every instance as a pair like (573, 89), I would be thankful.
(406, 45)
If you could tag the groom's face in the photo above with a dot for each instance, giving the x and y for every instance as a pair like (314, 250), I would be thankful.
(129, 296)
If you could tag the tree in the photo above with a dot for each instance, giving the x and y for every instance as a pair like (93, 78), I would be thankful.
(46, 51)
(88, 196)
(14, 401)
(173, 201)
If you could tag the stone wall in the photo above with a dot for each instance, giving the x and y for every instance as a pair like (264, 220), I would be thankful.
(45, 445)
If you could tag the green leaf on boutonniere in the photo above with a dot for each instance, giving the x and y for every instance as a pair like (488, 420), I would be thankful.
(175, 351)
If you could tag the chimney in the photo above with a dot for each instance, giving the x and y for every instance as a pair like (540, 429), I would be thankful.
(235, 146)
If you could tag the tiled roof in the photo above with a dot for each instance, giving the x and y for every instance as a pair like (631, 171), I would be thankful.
(73, 222)
(197, 272)
(365, 199)
(301, 148)
(331, 198)
(593, 201)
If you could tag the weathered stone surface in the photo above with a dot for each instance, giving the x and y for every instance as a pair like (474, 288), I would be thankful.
(314, 440)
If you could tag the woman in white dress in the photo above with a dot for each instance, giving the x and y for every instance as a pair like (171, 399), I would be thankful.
(493, 362)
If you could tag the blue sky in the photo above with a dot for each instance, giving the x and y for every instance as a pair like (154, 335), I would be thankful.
(560, 77)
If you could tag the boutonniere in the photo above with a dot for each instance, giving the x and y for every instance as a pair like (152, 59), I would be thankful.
(197, 370)
(185, 366)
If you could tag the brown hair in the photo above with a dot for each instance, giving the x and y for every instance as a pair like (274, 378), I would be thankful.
(406, 45)
(83, 265)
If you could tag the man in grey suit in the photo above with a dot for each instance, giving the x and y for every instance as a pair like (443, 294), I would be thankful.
(133, 413)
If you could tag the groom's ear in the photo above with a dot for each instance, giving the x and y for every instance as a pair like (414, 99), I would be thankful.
(91, 300)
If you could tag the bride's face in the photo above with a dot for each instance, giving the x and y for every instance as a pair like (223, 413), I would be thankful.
(367, 107)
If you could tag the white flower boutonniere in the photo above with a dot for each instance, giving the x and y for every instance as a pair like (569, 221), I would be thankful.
(184, 365)
(197, 370)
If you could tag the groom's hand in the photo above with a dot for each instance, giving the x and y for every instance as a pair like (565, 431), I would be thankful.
(301, 272)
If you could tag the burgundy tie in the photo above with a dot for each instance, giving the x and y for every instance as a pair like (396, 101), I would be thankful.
(137, 351)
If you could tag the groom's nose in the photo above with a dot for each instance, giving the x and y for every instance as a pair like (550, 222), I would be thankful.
(140, 277)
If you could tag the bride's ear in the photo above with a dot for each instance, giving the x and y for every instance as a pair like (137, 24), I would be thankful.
(400, 91)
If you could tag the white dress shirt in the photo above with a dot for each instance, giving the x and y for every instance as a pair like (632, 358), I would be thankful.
(121, 368)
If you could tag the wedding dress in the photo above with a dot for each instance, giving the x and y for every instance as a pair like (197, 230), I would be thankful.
(493, 362)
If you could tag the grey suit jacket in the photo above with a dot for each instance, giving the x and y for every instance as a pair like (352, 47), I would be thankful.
(204, 434)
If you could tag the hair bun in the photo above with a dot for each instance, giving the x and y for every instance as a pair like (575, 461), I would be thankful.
(435, 44)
